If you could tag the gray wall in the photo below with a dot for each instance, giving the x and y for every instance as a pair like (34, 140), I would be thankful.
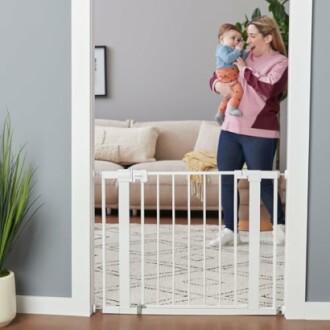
(318, 288)
(161, 55)
(35, 90)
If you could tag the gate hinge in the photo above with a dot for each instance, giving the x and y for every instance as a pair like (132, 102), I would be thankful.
(139, 308)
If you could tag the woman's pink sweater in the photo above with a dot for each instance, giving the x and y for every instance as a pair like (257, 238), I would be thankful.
(263, 80)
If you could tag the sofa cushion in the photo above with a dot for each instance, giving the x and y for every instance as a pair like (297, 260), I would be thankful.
(135, 145)
(163, 166)
(208, 137)
(100, 165)
(176, 138)
(106, 151)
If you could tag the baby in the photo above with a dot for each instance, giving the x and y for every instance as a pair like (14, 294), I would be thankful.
(229, 49)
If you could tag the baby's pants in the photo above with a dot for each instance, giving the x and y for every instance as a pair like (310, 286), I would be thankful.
(230, 76)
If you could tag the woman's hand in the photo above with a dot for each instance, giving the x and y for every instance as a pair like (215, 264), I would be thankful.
(223, 89)
(240, 63)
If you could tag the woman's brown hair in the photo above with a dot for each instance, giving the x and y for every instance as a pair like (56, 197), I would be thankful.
(268, 26)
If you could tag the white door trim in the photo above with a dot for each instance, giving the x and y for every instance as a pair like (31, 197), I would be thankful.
(82, 184)
(298, 157)
(82, 56)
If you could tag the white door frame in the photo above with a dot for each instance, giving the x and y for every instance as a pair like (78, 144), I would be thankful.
(82, 198)
(80, 303)
(296, 306)
(297, 156)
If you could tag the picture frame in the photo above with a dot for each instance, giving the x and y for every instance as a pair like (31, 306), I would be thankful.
(100, 71)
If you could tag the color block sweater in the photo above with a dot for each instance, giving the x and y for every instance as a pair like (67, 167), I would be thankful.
(263, 80)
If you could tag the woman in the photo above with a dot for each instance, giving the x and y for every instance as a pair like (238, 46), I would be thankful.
(252, 138)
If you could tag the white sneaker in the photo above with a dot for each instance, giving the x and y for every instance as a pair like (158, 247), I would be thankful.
(280, 234)
(226, 237)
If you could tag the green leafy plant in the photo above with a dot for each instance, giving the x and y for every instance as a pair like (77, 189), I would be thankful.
(277, 8)
(16, 205)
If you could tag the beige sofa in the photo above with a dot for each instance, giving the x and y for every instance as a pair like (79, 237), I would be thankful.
(159, 146)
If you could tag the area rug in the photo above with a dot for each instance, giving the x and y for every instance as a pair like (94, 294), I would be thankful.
(195, 282)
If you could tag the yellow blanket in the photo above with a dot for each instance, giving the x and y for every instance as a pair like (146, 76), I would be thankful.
(199, 161)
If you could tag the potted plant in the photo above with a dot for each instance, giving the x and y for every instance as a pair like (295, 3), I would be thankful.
(16, 209)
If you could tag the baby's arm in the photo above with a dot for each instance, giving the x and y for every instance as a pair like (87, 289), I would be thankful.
(228, 55)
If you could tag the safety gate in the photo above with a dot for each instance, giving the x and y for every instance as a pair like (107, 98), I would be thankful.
(171, 269)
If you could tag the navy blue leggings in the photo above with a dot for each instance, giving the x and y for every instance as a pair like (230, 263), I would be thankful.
(258, 153)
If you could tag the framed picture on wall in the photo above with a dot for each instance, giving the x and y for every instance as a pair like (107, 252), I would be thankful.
(100, 74)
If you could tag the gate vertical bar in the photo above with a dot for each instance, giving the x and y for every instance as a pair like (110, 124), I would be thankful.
(124, 179)
(104, 270)
(142, 244)
(158, 236)
(173, 239)
(219, 229)
(254, 178)
(188, 238)
(204, 239)
(275, 219)
(235, 237)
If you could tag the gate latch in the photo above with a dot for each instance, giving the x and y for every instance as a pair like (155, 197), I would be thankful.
(140, 175)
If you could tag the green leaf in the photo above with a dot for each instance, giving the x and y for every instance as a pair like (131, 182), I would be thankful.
(256, 13)
(239, 26)
(16, 205)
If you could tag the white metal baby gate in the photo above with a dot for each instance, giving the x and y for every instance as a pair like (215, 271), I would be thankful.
(193, 278)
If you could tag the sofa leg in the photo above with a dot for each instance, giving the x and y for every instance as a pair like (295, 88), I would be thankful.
(108, 210)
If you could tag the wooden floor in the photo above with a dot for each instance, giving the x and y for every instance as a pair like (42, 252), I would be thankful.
(133, 322)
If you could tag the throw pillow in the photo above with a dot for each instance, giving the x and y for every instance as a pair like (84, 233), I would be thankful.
(107, 152)
(136, 145)
(99, 135)
(208, 137)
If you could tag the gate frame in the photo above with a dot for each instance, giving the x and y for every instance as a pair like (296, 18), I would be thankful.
(125, 177)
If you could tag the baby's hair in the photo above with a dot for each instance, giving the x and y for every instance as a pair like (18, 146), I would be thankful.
(227, 27)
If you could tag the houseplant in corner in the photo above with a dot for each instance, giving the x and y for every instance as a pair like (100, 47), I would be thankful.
(16, 209)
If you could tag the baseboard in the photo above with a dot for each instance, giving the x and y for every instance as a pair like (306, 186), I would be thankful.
(51, 306)
(317, 310)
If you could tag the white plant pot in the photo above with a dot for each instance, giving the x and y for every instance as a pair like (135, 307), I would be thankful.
(7, 299)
